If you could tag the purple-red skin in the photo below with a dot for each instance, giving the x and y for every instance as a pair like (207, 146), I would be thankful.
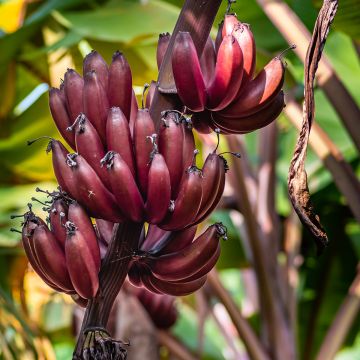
(144, 127)
(81, 265)
(120, 84)
(162, 46)
(171, 140)
(159, 190)
(228, 74)
(60, 115)
(208, 61)
(57, 221)
(187, 72)
(95, 62)
(125, 189)
(73, 90)
(80, 218)
(118, 137)
(90, 146)
(179, 240)
(96, 104)
(105, 229)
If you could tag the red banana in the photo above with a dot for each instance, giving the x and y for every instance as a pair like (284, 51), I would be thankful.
(243, 125)
(95, 62)
(91, 192)
(118, 136)
(187, 73)
(245, 39)
(134, 275)
(73, 90)
(124, 187)
(162, 46)
(63, 173)
(228, 75)
(143, 129)
(60, 115)
(51, 257)
(259, 92)
(208, 61)
(80, 263)
(96, 104)
(90, 146)
(171, 147)
(120, 84)
(58, 217)
(219, 36)
(79, 217)
(187, 202)
(184, 263)
(159, 190)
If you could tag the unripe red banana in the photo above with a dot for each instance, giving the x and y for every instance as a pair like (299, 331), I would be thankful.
(159, 190)
(96, 104)
(58, 217)
(80, 263)
(79, 300)
(162, 46)
(228, 74)
(30, 224)
(150, 94)
(63, 173)
(143, 129)
(208, 61)
(124, 187)
(146, 280)
(187, 72)
(178, 240)
(245, 38)
(90, 146)
(73, 90)
(91, 192)
(79, 217)
(246, 124)
(118, 137)
(258, 93)
(120, 84)
(95, 62)
(219, 36)
(51, 257)
(171, 140)
(188, 261)
(105, 229)
(187, 203)
(175, 288)
(60, 115)
(201, 121)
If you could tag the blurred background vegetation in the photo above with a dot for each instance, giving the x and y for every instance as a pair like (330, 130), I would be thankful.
(39, 40)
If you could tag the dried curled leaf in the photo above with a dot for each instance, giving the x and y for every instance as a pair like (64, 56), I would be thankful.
(297, 181)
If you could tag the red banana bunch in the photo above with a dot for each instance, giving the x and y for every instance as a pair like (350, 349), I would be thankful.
(172, 262)
(66, 255)
(119, 173)
(224, 93)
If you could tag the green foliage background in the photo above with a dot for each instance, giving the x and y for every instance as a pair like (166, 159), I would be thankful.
(33, 54)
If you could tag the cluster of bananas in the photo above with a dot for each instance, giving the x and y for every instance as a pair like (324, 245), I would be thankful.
(219, 87)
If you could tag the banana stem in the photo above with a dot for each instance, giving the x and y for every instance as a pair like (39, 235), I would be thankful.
(112, 276)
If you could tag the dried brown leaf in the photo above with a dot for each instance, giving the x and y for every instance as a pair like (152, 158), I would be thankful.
(297, 181)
